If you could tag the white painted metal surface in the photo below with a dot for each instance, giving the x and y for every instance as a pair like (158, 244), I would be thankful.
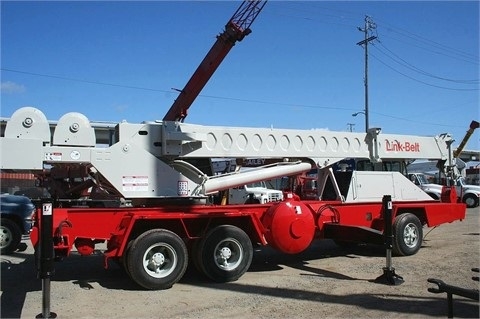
(139, 164)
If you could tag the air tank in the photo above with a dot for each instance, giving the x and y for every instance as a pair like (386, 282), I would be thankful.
(290, 225)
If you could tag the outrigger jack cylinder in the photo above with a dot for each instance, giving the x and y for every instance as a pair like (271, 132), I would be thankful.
(389, 277)
(45, 268)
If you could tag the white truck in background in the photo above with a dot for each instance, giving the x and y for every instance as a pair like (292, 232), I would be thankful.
(254, 193)
(420, 179)
(468, 194)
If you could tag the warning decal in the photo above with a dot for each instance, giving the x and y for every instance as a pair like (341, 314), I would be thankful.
(135, 183)
(54, 156)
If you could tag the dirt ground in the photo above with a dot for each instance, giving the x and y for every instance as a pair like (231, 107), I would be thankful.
(325, 281)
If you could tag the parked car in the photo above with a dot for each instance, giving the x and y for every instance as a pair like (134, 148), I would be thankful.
(16, 220)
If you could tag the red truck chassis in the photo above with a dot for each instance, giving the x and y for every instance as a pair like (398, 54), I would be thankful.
(154, 244)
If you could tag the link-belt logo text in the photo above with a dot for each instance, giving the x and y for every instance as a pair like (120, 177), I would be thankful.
(396, 146)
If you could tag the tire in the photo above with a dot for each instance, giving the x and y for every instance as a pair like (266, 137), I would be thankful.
(471, 200)
(157, 259)
(10, 236)
(225, 254)
(408, 235)
(196, 256)
(124, 258)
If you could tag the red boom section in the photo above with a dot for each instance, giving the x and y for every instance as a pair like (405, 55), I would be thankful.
(235, 30)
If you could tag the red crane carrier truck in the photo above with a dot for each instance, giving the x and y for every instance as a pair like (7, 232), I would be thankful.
(148, 195)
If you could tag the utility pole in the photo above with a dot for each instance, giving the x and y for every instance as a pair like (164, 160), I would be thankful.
(350, 126)
(369, 25)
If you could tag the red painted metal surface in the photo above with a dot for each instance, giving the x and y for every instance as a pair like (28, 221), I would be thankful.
(18, 176)
(288, 226)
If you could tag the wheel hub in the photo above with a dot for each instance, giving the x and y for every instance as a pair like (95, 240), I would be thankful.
(4, 237)
(410, 235)
(156, 261)
(225, 253)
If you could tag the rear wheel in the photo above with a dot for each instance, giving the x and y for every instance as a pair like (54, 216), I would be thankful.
(408, 235)
(471, 200)
(10, 236)
(225, 254)
(157, 259)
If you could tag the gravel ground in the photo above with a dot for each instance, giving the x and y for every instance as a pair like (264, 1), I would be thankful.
(324, 281)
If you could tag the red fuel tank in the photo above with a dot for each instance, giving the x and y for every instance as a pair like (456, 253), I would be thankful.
(290, 226)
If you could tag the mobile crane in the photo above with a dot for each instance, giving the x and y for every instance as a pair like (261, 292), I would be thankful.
(152, 207)
(147, 199)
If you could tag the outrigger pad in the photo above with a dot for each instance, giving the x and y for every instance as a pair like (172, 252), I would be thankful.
(389, 277)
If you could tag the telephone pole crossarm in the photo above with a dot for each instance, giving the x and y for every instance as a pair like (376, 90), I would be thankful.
(367, 40)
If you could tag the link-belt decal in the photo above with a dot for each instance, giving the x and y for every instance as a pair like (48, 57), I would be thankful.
(396, 146)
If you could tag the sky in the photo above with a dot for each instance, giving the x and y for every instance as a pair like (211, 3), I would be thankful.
(300, 68)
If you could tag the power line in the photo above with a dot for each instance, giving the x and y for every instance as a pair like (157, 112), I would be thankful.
(224, 98)
(159, 90)
(472, 60)
(397, 59)
(415, 39)
(314, 11)
(420, 81)
(418, 38)
(401, 61)
(83, 81)
(318, 15)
